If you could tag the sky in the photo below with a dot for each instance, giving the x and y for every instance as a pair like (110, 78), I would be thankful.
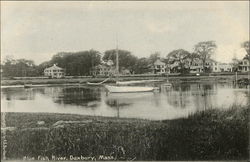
(38, 30)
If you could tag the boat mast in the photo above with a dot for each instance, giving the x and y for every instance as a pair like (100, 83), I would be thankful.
(117, 57)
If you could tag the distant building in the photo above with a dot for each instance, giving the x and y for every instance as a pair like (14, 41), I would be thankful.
(159, 67)
(54, 72)
(125, 71)
(221, 67)
(196, 66)
(103, 70)
(244, 65)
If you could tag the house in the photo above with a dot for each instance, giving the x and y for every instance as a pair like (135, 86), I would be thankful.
(125, 71)
(221, 67)
(244, 65)
(103, 70)
(196, 66)
(54, 72)
(159, 67)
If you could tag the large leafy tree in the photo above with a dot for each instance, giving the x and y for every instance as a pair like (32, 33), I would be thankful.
(246, 46)
(153, 57)
(142, 66)
(19, 68)
(126, 59)
(205, 50)
(75, 63)
(179, 58)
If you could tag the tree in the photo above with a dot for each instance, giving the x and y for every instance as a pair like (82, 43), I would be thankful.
(235, 64)
(142, 66)
(179, 58)
(42, 66)
(246, 46)
(19, 68)
(193, 59)
(126, 59)
(75, 63)
(153, 57)
(205, 50)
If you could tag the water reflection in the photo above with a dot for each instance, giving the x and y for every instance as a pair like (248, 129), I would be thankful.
(76, 96)
(177, 101)
(17, 94)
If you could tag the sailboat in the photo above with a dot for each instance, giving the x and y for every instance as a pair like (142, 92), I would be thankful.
(126, 89)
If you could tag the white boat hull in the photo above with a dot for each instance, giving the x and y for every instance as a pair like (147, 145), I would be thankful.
(128, 89)
(135, 81)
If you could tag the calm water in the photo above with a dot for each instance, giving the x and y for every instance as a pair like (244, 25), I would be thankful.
(179, 101)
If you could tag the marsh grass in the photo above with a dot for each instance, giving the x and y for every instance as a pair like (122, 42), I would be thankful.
(207, 135)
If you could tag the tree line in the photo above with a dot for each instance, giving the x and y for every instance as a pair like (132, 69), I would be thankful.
(80, 63)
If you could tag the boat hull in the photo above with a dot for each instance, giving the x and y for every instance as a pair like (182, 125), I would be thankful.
(128, 89)
(135, 81)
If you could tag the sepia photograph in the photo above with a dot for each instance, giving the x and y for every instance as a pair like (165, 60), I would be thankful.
(125, 81)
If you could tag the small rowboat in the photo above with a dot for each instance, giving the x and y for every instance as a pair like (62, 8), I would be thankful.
(128, 89)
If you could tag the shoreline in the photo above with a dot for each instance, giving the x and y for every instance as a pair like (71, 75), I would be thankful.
(82, 81)
(207, 135)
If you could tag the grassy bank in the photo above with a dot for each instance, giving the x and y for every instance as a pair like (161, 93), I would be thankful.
(209, 135)
(222, 78)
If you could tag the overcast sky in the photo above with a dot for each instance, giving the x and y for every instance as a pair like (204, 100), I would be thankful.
(38, 30)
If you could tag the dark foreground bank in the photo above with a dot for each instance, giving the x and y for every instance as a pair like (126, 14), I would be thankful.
(209, 135)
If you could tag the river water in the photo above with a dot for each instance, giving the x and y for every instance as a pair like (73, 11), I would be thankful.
(181, 100)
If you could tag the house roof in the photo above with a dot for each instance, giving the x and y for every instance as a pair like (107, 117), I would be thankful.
(159, 62)
(54, 67)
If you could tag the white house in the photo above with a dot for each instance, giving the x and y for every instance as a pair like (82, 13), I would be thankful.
(159, 67)
(196, 66)
(221, 67)
(54, 72)
(244, 65)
